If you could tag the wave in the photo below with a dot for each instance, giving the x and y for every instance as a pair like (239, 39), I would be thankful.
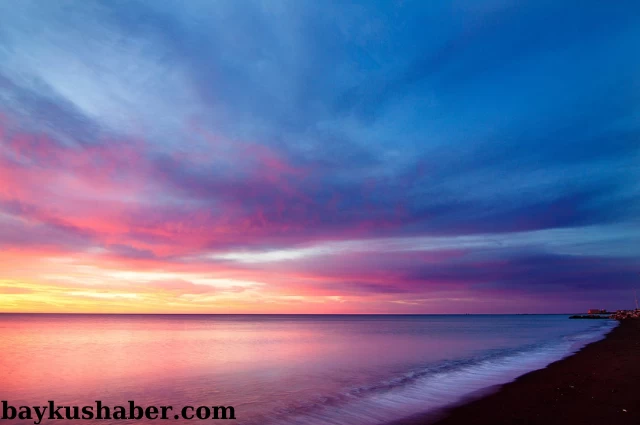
(433, 387)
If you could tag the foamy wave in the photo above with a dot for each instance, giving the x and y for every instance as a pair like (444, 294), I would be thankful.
(431, 388)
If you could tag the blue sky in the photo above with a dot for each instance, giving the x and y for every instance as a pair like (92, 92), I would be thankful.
(339, 156)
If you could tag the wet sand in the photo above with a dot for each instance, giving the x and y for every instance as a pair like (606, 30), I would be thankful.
(600, 384)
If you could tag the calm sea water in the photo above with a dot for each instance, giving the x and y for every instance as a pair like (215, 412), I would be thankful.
(277, 369)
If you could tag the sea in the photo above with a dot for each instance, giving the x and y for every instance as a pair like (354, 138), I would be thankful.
(277, 369)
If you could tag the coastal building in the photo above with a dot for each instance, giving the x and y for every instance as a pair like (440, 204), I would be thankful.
(596, 311)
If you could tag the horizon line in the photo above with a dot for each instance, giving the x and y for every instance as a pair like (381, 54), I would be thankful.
(281, 314)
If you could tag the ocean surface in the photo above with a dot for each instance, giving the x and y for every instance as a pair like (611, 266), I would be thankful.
(277, 369)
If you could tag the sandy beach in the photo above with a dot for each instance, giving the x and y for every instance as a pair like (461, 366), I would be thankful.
(598, 384)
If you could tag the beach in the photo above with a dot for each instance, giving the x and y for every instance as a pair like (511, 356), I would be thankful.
(598, 384)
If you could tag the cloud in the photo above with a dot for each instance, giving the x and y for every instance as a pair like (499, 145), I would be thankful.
(14, 290)
(294, 150)
(181, 287)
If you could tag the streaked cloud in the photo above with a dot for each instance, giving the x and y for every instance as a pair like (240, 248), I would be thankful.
(250, 156)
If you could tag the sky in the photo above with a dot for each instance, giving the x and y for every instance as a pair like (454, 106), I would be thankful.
(276, 156)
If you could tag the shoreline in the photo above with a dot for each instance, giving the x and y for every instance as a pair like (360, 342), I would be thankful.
(600, 383)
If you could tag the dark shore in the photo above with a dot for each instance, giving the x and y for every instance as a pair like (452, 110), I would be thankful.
(600, 384)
